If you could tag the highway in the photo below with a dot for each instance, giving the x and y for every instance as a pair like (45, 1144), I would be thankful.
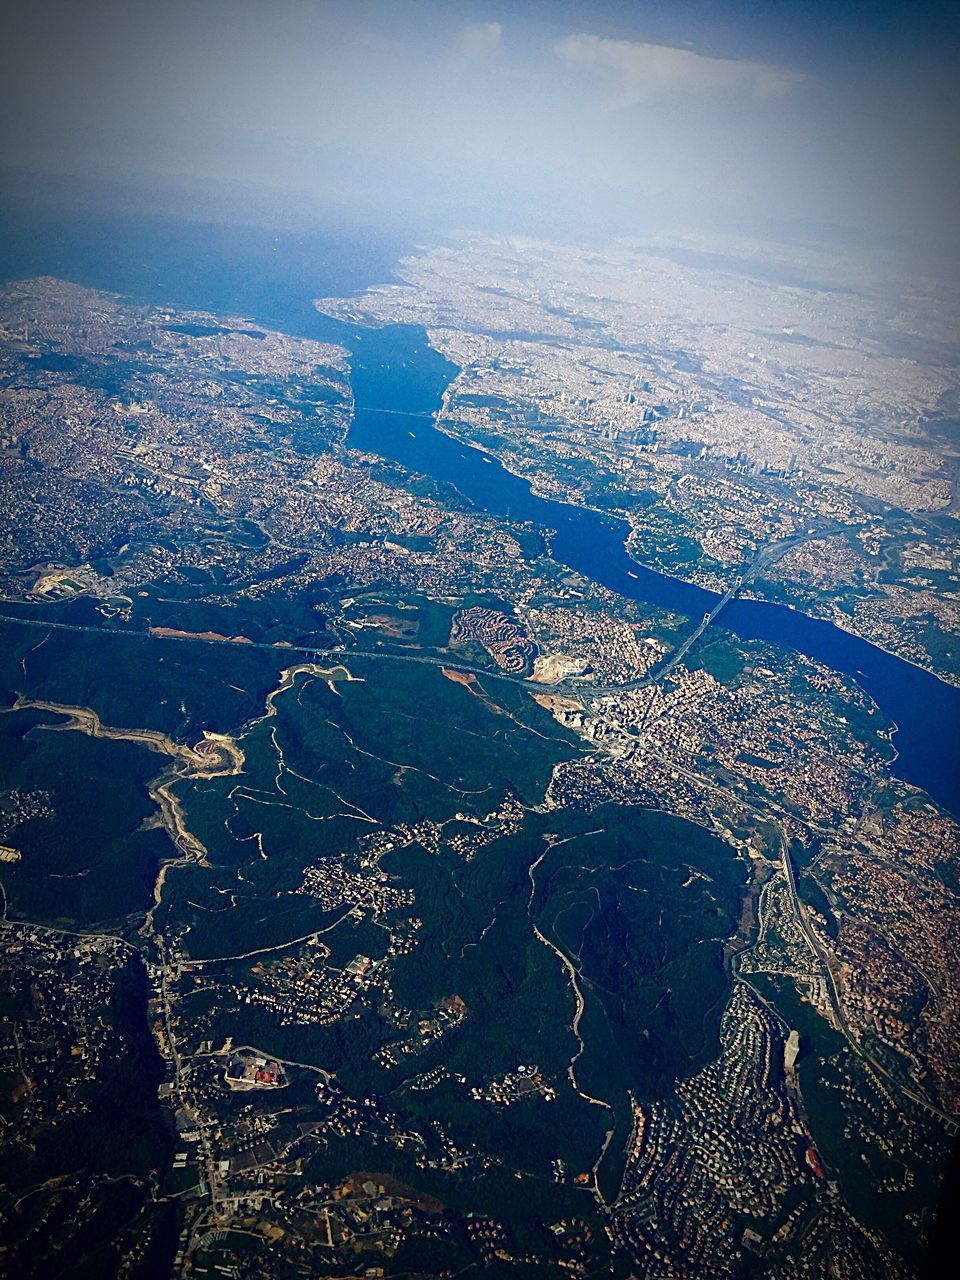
(950, 1121)
(837, 1005)
(341, 653)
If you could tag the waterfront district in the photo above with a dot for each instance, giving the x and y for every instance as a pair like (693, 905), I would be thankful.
(382, 896)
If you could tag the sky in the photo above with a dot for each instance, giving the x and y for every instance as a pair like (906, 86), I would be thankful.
(541, 116)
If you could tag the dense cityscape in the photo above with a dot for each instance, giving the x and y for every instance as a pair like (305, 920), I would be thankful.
(441, 872)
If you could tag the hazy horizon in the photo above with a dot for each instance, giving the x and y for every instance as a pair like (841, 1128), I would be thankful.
(562, 118)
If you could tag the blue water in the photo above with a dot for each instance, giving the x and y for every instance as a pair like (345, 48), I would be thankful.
(395, 369)
(272, 277)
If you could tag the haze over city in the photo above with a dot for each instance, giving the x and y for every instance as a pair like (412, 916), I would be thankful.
(587, 118)
(479, 640)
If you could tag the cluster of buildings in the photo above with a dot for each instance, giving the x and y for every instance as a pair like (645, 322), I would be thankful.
(897, 938)
(714, 443)
(525, 1082)
(59, 1029)
(207, 427)
(254, 1071)
(17, 806)
(595, 645)
(766, 742)
(426, 1028)
(302, 988)
(719, 1169)
(334, 884)
(499, 635)
(719, 409)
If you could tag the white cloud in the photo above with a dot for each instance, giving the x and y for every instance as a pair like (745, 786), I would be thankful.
(641, 72)
(481, 39)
